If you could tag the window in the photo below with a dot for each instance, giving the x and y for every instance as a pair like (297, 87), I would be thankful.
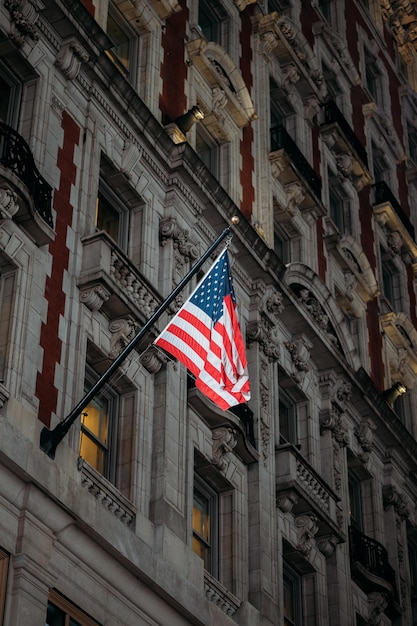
(373, 78)
(10, 89)
(355, 501)
(205, 524)
(292, 596)
(125, 43)
(412, 561)
(391, 281)
(111, 215)
(98, 429)
(287, 419)
(208, 150)
(61, 612)
(380, 166)
(412, 143)
(281, 245)
(212, 22)
(338, 204)
(281, 112)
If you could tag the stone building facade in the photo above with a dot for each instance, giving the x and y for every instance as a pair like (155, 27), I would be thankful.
(131, 133)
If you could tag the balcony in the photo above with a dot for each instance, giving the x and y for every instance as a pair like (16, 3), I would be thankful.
(110, 282)
(33, 195)
(300, 489)
(351, 157)
(389, 213)
(289, 167)
(370, 567)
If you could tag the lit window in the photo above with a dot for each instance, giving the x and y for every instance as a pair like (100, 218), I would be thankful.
(292, 597)
(125, 43)
(61, 612)
(205, 524)
(111, 215)
(98, 427)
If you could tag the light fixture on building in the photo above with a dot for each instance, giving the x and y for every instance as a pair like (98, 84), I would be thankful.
(185, 122)
(391, 394)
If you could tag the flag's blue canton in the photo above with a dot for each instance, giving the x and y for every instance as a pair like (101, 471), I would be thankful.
(212, 291)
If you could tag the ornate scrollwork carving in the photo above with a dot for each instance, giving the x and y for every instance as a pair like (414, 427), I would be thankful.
(123, 331)
(306, 530)
(392, 497)
(224, 440)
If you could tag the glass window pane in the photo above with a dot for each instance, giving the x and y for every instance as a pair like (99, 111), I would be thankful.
(54, 616)
(107, 218)
(120, 39)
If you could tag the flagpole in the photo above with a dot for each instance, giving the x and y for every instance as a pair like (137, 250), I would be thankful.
(50, 439)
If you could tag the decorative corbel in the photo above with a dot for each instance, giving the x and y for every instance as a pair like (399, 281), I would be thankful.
(123, 331)
(94, 297)
(70, 57)
(306, 530)
(286, 501)
(224, 440)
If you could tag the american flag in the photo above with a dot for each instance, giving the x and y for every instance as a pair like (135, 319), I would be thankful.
(205, 336)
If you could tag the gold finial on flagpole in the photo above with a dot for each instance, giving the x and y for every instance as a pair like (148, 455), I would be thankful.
(235, 220)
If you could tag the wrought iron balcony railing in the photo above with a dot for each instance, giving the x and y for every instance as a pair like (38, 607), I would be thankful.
(16, 156)
(374, 572)
(333, 115)
(281, 139)
(382, 194)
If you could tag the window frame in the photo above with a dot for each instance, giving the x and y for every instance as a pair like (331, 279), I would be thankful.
(355, 501)
(211, 496)
(111, 197)
(70, 610)
(129, 70)
(291, 418)
(16, 89)
(294, 580)
(218, 19)
(112, 398)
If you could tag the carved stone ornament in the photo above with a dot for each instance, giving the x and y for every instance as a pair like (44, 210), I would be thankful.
(8, 203)
(123, 331)
(267, 337)
(377, 604)
(365, 435)
(70, 57)
(300, 355)
(168, 229)
(265, 438)
(24, 14)
(327, 545)
(311, 304)
(274, 303)
(392, 497)
(152, 360)
(286, 501)
(306, 530)
(224, 441)
(295, 193)
(311, 109)
(94, 297)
